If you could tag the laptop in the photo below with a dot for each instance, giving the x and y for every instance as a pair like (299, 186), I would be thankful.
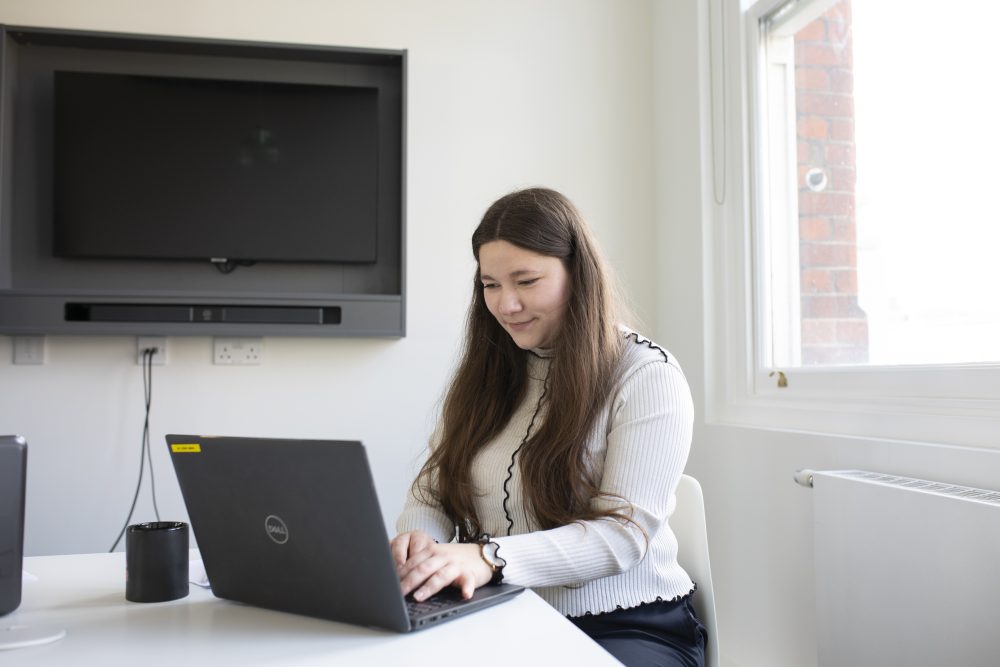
(295, 526)
(13, 466)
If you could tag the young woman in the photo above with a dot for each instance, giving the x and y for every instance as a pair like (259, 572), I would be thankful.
(561, 442)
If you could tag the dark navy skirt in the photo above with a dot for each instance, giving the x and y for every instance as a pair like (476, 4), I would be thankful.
(656, 634)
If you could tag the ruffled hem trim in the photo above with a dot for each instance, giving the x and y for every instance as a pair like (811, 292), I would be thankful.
(676, 598)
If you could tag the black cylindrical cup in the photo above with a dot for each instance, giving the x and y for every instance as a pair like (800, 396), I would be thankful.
(156, 561)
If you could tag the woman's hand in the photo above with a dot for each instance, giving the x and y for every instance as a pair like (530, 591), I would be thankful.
(430, 567)
(407, 544)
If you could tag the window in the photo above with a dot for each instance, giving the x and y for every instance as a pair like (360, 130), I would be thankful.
(853, 232)
(880, 150)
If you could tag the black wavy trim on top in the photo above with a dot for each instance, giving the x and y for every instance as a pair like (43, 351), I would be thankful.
(513, 456)
(648, 343)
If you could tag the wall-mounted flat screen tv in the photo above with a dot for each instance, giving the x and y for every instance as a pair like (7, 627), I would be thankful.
(151, 167)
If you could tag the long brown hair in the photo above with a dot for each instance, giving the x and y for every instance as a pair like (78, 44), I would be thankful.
(491, 378)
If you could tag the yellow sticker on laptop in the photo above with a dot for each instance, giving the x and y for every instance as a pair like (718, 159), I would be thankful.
(193, 448)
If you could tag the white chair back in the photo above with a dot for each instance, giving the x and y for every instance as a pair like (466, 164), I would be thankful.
(688, 524)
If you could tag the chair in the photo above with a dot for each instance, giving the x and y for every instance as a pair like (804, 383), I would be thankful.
(688, 524)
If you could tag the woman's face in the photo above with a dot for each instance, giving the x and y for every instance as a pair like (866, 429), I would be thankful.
(527, 292)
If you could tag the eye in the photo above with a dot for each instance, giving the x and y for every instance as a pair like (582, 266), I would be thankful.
(529, 281)
(489, 285)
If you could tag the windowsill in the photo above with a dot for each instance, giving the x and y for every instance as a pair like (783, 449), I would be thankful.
(969, 423)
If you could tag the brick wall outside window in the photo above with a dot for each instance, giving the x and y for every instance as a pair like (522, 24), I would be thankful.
(834, 328)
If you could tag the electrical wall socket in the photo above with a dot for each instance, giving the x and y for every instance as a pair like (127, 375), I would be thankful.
(238, 351)
(146, 342)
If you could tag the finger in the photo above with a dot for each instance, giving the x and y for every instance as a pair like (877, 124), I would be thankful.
(432, 575)
(420, 573)
(443, 577)
(400, 546)
(421, 541)
(409, 543)
(415, 560)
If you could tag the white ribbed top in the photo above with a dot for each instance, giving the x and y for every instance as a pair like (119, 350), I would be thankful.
(640, 444)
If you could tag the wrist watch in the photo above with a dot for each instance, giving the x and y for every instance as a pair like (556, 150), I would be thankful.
(489, 552)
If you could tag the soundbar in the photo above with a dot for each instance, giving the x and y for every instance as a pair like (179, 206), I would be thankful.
(215, 314)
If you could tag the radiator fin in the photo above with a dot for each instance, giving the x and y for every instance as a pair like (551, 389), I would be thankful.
(940, 488)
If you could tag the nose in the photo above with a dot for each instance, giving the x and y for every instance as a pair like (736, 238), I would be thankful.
(509, 302)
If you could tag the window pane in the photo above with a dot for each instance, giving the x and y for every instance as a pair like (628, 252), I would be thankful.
(884, 227)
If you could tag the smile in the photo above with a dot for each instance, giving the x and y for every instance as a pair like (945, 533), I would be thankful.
(518, 326)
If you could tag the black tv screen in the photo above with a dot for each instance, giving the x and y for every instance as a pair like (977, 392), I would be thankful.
(184, 168)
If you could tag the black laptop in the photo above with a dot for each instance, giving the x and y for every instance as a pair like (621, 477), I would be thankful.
(13, 462)
(295, 525)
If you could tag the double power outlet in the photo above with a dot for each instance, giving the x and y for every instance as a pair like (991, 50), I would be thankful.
(225, 351)
(237, 351)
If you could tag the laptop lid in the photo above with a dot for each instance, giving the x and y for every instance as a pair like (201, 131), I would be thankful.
(295, 525)
(13, 470)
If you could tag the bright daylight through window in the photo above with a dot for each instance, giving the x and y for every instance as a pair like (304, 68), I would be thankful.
(878, 168)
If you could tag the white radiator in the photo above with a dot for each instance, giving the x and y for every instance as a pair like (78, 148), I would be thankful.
(907, 571)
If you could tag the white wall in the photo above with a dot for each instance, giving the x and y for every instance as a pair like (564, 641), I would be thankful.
(759, 521)
(501, 95)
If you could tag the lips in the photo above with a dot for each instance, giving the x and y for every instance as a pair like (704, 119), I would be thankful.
(518, 326)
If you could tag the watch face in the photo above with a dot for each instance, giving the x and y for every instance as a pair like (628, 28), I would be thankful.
(490, 554)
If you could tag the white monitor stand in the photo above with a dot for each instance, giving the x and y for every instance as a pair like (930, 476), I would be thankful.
(19, 636)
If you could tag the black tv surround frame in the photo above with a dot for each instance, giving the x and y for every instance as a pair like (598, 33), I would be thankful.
(42, 293)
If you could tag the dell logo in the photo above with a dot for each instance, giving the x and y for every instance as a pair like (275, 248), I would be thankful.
(276, 529)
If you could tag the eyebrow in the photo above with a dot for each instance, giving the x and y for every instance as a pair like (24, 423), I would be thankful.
(513, 274)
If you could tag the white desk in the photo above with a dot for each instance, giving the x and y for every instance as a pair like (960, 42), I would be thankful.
(86, 595)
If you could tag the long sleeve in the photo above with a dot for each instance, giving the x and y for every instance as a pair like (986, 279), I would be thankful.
(647, 443)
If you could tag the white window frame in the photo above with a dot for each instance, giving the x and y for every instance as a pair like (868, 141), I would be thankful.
(955, 404)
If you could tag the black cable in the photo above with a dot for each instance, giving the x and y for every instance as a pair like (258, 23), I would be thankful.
(147, 384)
